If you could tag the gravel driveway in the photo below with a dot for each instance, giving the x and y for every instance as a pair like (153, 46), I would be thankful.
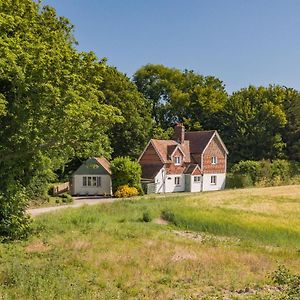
(78, 201)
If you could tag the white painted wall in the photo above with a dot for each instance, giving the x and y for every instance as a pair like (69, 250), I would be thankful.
(196, 186)
(79, 189)
(220, 184)
(159, 181)
(170, 183)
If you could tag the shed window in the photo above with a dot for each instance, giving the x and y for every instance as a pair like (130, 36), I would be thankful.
(177, 180)
(91, 181)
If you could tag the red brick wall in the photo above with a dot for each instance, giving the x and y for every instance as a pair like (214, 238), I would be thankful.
(214, 149)
(196, 172)
(150, 156)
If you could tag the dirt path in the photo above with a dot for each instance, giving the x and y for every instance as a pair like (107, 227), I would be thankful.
(78, 201)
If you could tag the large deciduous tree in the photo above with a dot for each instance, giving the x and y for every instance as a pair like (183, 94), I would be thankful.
(49, 109)
(181, 96)
(130, 137)
(252, 122)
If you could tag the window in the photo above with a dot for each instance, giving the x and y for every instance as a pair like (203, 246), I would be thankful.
(214, 160)
(197, 178)
(213, 179)
(91, 181)
(177, 160)
(98, 181)
(177, 180)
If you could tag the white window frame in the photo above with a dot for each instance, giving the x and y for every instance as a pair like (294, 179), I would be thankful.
(197, 179)
(91, 181)
(213, 180)
(177, 160)
(214, 160)
(177, 180)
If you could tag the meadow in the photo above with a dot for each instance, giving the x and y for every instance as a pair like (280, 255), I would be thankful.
(216, 245)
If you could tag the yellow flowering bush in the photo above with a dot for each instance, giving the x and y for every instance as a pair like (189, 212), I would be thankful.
(125, 191)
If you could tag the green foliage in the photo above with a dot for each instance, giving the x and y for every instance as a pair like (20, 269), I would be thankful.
(181, 96)
(130, 137)
(290, 283)
(49, 108)
(14, 223)
(126, 172)
(125, 191)
(147, 217)
(263, 173)
(252, 122)
(66, 198)
(169, 216)
(161, 134)
(238, 181)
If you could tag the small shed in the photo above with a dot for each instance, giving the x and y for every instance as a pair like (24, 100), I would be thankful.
(92, 178)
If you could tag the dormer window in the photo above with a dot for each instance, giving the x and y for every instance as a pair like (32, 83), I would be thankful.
(177, 160)
(214, 160)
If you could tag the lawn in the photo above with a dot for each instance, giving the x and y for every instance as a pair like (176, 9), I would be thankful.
(217, 245)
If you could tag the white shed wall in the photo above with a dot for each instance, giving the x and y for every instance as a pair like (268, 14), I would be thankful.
(220, 184)
(79, 189)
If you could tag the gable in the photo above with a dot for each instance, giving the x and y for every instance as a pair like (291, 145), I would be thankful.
(150, 155)
(214, 148)
(91, 167)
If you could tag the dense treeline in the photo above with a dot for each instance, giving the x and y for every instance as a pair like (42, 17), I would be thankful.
(59, 106)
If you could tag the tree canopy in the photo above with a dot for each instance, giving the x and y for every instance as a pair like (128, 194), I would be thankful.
(129, 137)
(181, 96)
(253, 119)
(48, 96)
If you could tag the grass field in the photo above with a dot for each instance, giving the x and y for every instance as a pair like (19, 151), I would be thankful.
(217, 245)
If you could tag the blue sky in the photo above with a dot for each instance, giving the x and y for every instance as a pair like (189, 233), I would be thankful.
(241, 42)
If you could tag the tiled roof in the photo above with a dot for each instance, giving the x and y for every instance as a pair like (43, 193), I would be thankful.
(104, 163)
(190, 168)
(198, 140)
(166, 147)
(150, 171)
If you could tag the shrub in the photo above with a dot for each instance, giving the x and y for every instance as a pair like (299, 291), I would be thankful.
(169, 216)
(238, 181)
(125, 191)
(146, 216)
(247, 167)
(66, 198)
(14, 222)
(126, 172)
(290, 283)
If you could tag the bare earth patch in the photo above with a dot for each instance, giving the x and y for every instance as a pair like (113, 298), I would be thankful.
(37, 246)
(183, 255)
(160, 221)
(202, 237)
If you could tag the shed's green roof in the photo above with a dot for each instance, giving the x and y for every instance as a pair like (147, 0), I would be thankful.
(91, 167)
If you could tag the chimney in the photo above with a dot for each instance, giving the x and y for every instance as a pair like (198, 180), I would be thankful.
(179, 133)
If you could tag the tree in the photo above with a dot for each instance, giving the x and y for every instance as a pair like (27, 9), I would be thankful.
(252, 122)
(291, 132)
(181, 96)
(130, 137)
(126, 172)
(51, 93)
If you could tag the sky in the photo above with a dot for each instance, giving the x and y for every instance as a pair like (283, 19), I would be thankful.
(241, 42)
